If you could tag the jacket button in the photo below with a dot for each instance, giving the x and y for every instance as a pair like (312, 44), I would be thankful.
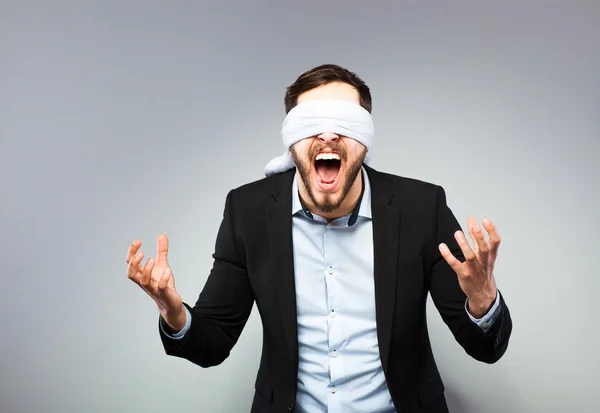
(289, 408)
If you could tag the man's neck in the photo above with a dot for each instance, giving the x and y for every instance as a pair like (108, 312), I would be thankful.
(347, 206)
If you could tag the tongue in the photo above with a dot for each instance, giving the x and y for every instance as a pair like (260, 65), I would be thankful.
(327, 171)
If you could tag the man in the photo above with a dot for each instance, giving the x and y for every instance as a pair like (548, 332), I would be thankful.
(339, 259)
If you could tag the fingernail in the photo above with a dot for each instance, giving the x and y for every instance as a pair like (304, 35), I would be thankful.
(139, 254)
(476, 228)
(487, 221)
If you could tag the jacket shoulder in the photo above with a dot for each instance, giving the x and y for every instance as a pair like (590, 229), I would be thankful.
(409, 194)
(260, 193)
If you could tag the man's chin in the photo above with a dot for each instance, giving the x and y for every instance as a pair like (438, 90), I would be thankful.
(327, 208)
(327, 202)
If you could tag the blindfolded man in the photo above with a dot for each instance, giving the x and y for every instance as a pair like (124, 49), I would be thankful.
(340, 259)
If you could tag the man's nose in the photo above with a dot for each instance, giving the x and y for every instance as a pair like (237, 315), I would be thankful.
(328, 137)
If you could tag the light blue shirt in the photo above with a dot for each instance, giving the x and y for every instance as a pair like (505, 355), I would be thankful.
(339, 366)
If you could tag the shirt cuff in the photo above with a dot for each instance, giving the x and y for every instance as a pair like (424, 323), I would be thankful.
(179, 335)
(487, 321)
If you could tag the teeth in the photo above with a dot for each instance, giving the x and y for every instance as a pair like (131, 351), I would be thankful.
(327, 156)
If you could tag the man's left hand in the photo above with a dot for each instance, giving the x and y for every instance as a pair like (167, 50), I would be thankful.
(476, 274)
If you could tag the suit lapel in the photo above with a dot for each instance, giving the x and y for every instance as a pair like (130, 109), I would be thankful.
(279, 227)
(386, 234)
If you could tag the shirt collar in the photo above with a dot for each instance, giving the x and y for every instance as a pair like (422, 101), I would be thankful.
(363, 207)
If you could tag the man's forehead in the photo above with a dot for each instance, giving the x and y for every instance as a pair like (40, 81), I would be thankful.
(333, 90)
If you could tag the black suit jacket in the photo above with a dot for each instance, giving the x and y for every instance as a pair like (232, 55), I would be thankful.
(253, 262)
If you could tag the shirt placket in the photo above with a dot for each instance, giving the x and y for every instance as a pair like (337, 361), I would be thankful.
(334, 319)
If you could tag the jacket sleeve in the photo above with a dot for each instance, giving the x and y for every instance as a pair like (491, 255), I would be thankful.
(224, 305)
(449, 298)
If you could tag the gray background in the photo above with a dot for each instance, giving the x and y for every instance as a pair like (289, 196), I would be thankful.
(122, 120)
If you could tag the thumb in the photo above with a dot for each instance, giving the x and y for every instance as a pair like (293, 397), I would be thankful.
(162, 249)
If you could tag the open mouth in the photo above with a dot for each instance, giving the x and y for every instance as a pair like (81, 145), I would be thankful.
(327, 167)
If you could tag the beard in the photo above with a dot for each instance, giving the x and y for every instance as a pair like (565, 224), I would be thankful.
(329, 203)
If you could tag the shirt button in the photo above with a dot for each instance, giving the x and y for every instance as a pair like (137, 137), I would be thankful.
(330, 270)
(335, 353)
(333, 389)
(484, 324)
(332, 314)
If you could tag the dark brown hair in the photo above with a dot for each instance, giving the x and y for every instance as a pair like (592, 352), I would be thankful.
(322, 75)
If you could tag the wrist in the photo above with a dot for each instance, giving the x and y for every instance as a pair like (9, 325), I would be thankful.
(479, 306)
(175, 320)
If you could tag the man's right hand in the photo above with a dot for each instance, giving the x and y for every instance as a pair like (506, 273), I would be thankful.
(156, 278)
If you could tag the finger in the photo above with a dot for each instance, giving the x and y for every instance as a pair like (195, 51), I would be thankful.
(133, 249)
(471, 224)
(470, 257)
(494, 238)
(133, 272)
(450, 258)
(171, 279)
(162, 249)
(163, 283)
(146, 280)
(479, 240)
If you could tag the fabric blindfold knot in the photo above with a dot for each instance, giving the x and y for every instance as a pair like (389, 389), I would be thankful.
(313, 117)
